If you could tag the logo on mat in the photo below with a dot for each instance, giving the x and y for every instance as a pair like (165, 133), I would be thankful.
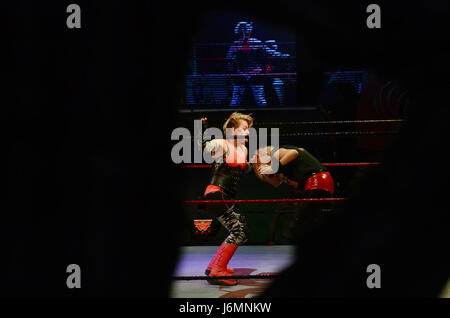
(203, 225)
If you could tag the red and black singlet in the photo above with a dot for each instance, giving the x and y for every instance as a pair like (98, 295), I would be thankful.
(226, 174)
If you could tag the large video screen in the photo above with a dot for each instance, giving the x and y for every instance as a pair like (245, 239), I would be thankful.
(241, 62)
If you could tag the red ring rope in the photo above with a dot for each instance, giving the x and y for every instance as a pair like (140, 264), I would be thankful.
(334, 164)
(259, 201)
(244, 74)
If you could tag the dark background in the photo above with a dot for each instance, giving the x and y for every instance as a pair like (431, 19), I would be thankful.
(218, 26)
(90, 181)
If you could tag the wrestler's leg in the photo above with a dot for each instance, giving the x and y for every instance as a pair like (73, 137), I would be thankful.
(213, 211)
(308, 216)
(258, 93)
(238, 233)
(238, 91)
(236, 225)
(278, 88)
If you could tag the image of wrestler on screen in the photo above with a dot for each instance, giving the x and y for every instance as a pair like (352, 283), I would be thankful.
(247, 59)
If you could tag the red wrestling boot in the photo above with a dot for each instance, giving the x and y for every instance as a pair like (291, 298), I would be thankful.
(208, 270)
(218, 265)
(230, 270)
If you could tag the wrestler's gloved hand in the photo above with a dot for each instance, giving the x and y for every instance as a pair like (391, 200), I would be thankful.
(215, 147)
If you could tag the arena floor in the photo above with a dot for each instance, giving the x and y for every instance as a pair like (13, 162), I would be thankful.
(248, 260)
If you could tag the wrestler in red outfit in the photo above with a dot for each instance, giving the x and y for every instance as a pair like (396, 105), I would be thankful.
(304, 173)
(223, 186)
